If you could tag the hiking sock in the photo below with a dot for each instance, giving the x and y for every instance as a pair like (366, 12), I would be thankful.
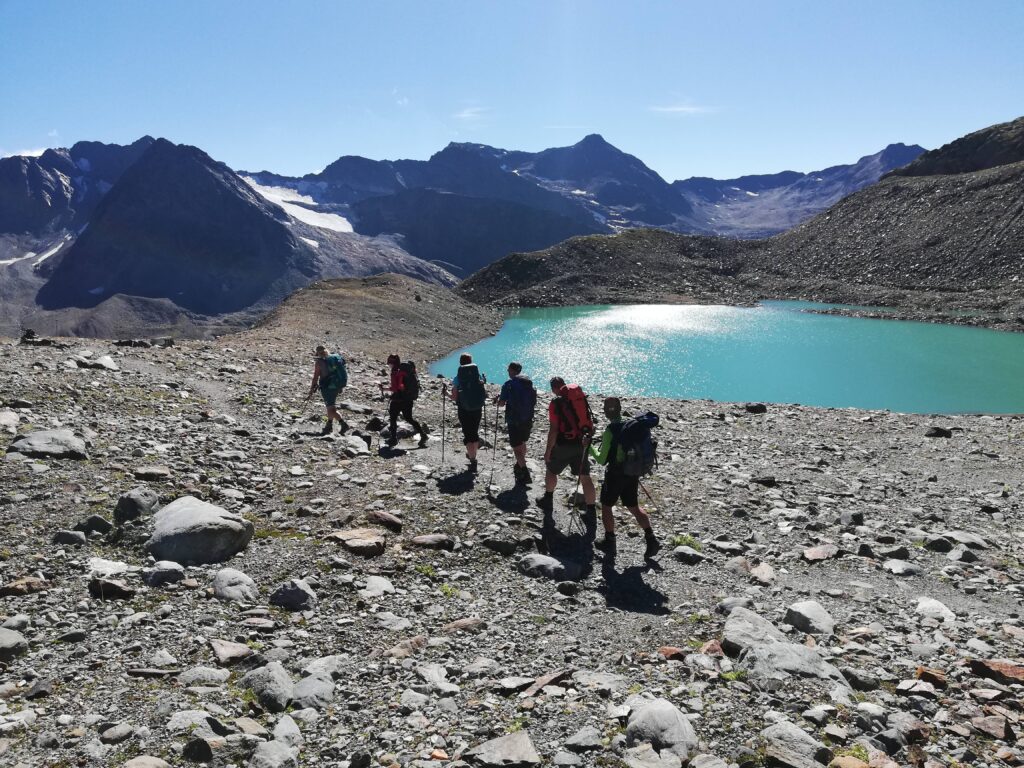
(473, 466)
(547, 502)
(653, 545)
(590, 521)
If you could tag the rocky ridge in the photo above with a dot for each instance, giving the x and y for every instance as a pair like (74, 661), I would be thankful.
(838, 587)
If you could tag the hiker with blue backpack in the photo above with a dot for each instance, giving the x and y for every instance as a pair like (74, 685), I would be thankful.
(470, 396)
(519, 399)
(330, 376)
(628, 452)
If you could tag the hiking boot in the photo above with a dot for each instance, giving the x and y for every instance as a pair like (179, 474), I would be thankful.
(590, 524)
(328, 428)
(606, 545)
(521, 474)
(391, 442)
(546, 503)
(473, 467)
(424, 436)
(653, 545)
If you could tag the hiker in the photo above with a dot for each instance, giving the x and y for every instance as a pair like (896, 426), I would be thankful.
(404, 387)
(621, 482)
(470, 397)
(331, 376)
(569, 434)
(519, 399)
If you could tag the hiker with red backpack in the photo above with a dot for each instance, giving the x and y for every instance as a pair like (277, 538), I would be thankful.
(330, 376)
(519, 398)
(404, 387)
(470, 397)
(569, 434)
(628, 452)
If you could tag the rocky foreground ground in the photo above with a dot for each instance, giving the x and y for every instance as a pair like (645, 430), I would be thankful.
(190, 574)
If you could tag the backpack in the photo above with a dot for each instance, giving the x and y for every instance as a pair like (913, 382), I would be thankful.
(472, 394)
(575, 419)
(522, 400)
(639, 448)
(337, 373)
(412, 382)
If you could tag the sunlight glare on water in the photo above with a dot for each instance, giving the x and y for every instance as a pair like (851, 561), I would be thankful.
(772, 352)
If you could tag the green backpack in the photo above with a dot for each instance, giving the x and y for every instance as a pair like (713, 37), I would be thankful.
(337, 373)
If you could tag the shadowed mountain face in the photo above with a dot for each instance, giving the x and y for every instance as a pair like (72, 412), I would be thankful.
(990, 147)
(60, 188)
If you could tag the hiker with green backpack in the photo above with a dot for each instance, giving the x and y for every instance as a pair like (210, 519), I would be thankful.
(628, 452)
(470, 397)
(330, 376)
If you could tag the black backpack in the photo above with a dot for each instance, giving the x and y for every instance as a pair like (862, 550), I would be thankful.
(472, 394)
(638, 445)
(522, 400)
(412, 381)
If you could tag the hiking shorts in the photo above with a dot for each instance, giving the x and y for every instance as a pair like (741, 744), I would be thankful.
(470, 423)
(519, 433)
(569, 455)
(616, 487)
(330, 395)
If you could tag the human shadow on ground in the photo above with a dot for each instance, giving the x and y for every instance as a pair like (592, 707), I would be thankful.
(390, 452)
(628, 591)
(457, 484)
(515, 500)
(573, 549)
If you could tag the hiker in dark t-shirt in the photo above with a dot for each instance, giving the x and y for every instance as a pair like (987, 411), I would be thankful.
(519, 399)
(404, 389)
(330, 376)
(470, 396)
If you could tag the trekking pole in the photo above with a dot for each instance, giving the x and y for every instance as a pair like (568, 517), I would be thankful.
(494, 447)
(647, 494)
(444, 398)
(574, 517)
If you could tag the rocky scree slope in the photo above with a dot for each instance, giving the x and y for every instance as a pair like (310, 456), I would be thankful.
(836, 585)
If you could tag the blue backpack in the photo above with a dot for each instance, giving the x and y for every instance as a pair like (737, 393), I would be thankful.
(337, 373)
(639, 447)
(472, 394)
(522, 400)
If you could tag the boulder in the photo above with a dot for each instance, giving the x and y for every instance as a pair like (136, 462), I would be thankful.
(272, 685)
(50, 444)
(138, 502)
(366, 542)
(163, 573)
(294, 595)
(778, 661)
(11, 644)
(234, 586)
(744, 629)
(514, 750)
(788, 745)
(542, 565)
(811, 617)
(660, 724)
(192, 531)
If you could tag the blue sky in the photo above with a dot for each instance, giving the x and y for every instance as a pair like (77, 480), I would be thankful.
(691, 88)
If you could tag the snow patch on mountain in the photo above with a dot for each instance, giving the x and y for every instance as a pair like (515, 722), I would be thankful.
(294, 204)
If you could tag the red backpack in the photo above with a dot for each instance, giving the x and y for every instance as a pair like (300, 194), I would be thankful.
(575, 419)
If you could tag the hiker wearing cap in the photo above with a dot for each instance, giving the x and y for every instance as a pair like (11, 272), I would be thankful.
(470, 397)
(570, 432)
(331, 376)
(404, 386)
(619, 484)
(519, 399)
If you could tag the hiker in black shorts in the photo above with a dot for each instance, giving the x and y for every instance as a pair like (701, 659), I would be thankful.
(470, 397)
(404, 388)
(519, 398)
(330, 376)
(568, 436)
(618, 486)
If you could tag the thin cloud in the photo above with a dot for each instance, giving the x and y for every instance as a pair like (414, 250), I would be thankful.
(26, 152)
(683, 109)
(53, 133)
(471, 114)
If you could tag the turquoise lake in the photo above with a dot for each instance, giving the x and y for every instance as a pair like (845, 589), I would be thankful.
(774, 352)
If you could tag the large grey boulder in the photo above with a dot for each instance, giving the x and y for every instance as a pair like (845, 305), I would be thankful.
(234, 586)
(11, 644)
(745, 629)
(660, 724)
(50, 444)
(274, 754)
(514, 750)
(294, 595)
(272, 685)
(191, 531)
(780, 661)
(542, 565)
(786, 744)
(313, 692)
(138, 502)
(811, 617)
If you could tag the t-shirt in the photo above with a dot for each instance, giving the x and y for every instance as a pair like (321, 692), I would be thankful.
(601, 455)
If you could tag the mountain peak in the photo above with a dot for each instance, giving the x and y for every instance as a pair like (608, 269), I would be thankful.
(990, 147)
(595, 141)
